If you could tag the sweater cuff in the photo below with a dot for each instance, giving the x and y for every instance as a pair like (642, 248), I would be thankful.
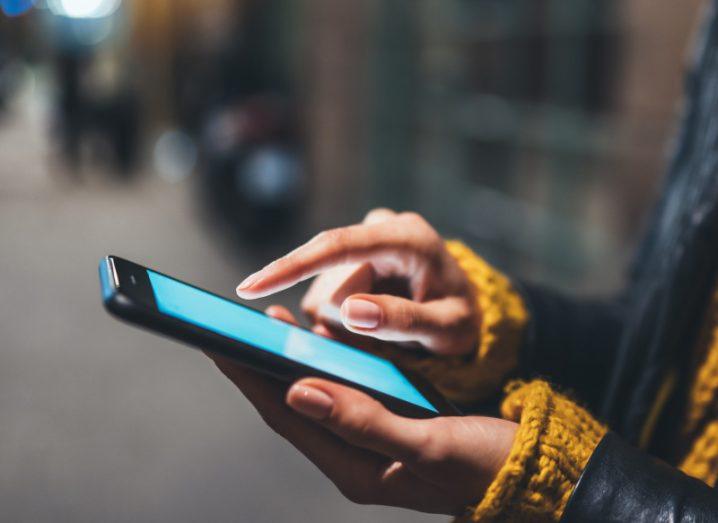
(503, 318)
(553, 444)
(701, 462)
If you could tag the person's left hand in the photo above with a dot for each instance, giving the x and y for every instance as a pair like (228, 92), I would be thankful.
(440, 465)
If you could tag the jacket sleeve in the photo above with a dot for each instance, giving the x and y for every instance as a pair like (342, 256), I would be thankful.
(621, 483)
(564, 467)
(572, 342)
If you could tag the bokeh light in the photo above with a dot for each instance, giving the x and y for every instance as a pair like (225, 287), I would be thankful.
(16, 7)
(174, 156)
(83, 8)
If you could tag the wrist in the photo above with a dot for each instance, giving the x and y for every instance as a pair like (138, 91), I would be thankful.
(504, 434)
(552, 444)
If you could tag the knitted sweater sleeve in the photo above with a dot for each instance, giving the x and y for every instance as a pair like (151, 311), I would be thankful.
(553, 444)
(555, 438)
(502, 321)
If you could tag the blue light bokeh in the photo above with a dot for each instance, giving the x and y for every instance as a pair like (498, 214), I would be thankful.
(16, 7)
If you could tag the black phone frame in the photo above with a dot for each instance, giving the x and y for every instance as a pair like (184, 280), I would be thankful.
(128, 295)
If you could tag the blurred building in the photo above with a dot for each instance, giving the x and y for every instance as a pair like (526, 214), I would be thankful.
(535, 129)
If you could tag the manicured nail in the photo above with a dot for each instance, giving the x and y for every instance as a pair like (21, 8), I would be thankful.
(309, 401)
(249, 281)
(363, 314)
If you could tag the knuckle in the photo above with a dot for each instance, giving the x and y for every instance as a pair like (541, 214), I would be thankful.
(432, 451)
(378, 212)
(461, 319)
(433, 239)
(412, 216)
(408, 318)
(355, 418)
(334, 238)
(466, 321)
(448, 346)
(453, 335)
(417, 221)
(308, 304)
(355, 421)
(319, 237)
(363, 428)
(429, 239)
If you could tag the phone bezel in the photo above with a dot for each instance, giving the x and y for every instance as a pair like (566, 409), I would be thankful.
(127, 294)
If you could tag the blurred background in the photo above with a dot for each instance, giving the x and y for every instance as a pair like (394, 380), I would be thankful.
(205, 137)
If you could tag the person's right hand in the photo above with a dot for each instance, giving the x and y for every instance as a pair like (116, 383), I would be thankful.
(437, 309)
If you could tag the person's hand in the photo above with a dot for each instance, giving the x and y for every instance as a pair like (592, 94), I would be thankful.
(437, 310)
(440, 465)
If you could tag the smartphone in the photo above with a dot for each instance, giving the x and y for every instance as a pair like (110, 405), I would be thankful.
(166, 305)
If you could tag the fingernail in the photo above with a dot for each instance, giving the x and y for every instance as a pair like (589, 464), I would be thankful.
(361, 313)
(309, 401)
(249, 281)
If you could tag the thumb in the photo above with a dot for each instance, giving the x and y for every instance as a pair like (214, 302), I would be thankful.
(359, 419)
(447, 326)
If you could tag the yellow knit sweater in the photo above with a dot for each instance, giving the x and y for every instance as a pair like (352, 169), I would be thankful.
(556, 437)
(700, 427)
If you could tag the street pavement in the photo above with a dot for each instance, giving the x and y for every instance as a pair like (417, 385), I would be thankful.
(102, 422)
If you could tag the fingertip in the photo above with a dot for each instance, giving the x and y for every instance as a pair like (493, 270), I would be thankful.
(361, 313)
(322, 330)
(311, 381)
(268, 284)
(258, 285)
(248, 282)
(310, 401)
(280, 313)
(329, 387)
(378, 215)
(245, 294)
(342, 394)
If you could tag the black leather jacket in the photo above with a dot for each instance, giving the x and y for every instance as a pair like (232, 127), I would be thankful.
(617, 354)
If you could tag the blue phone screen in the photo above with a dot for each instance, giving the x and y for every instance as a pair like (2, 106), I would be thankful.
(229, 319)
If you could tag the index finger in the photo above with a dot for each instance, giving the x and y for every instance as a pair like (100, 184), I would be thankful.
(353, 244)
